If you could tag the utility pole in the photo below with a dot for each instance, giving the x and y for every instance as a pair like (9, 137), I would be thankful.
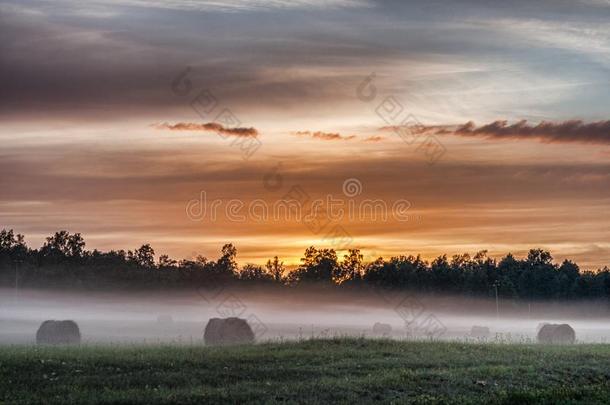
(17, 261)
(497, 304)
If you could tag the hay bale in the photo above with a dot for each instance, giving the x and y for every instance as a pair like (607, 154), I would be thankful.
(480, 332)
(540, 325)
(556, 334)
(382, 329)
(227, 331)
(58, 333)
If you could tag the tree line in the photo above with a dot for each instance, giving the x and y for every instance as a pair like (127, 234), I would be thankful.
(63, 261)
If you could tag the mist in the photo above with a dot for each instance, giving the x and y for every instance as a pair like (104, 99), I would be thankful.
(179, 317)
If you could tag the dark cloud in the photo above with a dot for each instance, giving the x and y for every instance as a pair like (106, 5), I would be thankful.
(550, 132)
(60, 64)
(326, 136)
(573, 131)
(209, 127)
(63, 60)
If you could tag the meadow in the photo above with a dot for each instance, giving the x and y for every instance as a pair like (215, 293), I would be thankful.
(343, 370)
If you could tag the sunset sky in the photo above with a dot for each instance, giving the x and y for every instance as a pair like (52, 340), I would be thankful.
(490, 119)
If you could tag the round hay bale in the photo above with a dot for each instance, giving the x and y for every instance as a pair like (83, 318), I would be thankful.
(382, 329)
(227, 331)
(58, 333)
(540, 325)
(556, 334)
(479, 332)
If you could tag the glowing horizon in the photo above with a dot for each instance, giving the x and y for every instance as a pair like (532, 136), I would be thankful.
(119, 114)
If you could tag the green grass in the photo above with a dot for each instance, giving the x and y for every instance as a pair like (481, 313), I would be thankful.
(313, 371)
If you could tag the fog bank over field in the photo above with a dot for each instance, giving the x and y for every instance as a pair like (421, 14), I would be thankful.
(180, 316)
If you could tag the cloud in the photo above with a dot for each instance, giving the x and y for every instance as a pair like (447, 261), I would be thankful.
(572, 131)
(417, 129)
(325, 136)
(74, 172)
(549, 132)
(375, 138)
(86, 69)
(231, 5)
(144, 194)
(209, 127)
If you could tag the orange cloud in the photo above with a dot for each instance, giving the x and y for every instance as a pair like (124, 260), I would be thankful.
(209, 127)
(325, 136)
(375, 138)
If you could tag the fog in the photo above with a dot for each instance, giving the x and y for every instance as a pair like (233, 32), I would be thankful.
(179, 317)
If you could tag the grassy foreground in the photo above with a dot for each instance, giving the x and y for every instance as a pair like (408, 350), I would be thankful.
(315, 371)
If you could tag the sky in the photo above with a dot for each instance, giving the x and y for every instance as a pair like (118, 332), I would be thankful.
(396, 127)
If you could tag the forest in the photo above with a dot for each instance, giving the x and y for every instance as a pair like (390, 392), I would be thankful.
(64, 262)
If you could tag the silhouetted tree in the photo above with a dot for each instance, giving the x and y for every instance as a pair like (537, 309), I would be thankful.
(227, 263)
(166, 262)
(276, 269)
(317, 266)
(542, 273)
(12, 246)
(63, 260)
(351, 267)
(253, 272)
(9, 241)
(381, 273)
(144, 256)
(444, 277)
(568, 274)
(64, 245)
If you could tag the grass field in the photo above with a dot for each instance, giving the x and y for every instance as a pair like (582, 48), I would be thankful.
(314, 371)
